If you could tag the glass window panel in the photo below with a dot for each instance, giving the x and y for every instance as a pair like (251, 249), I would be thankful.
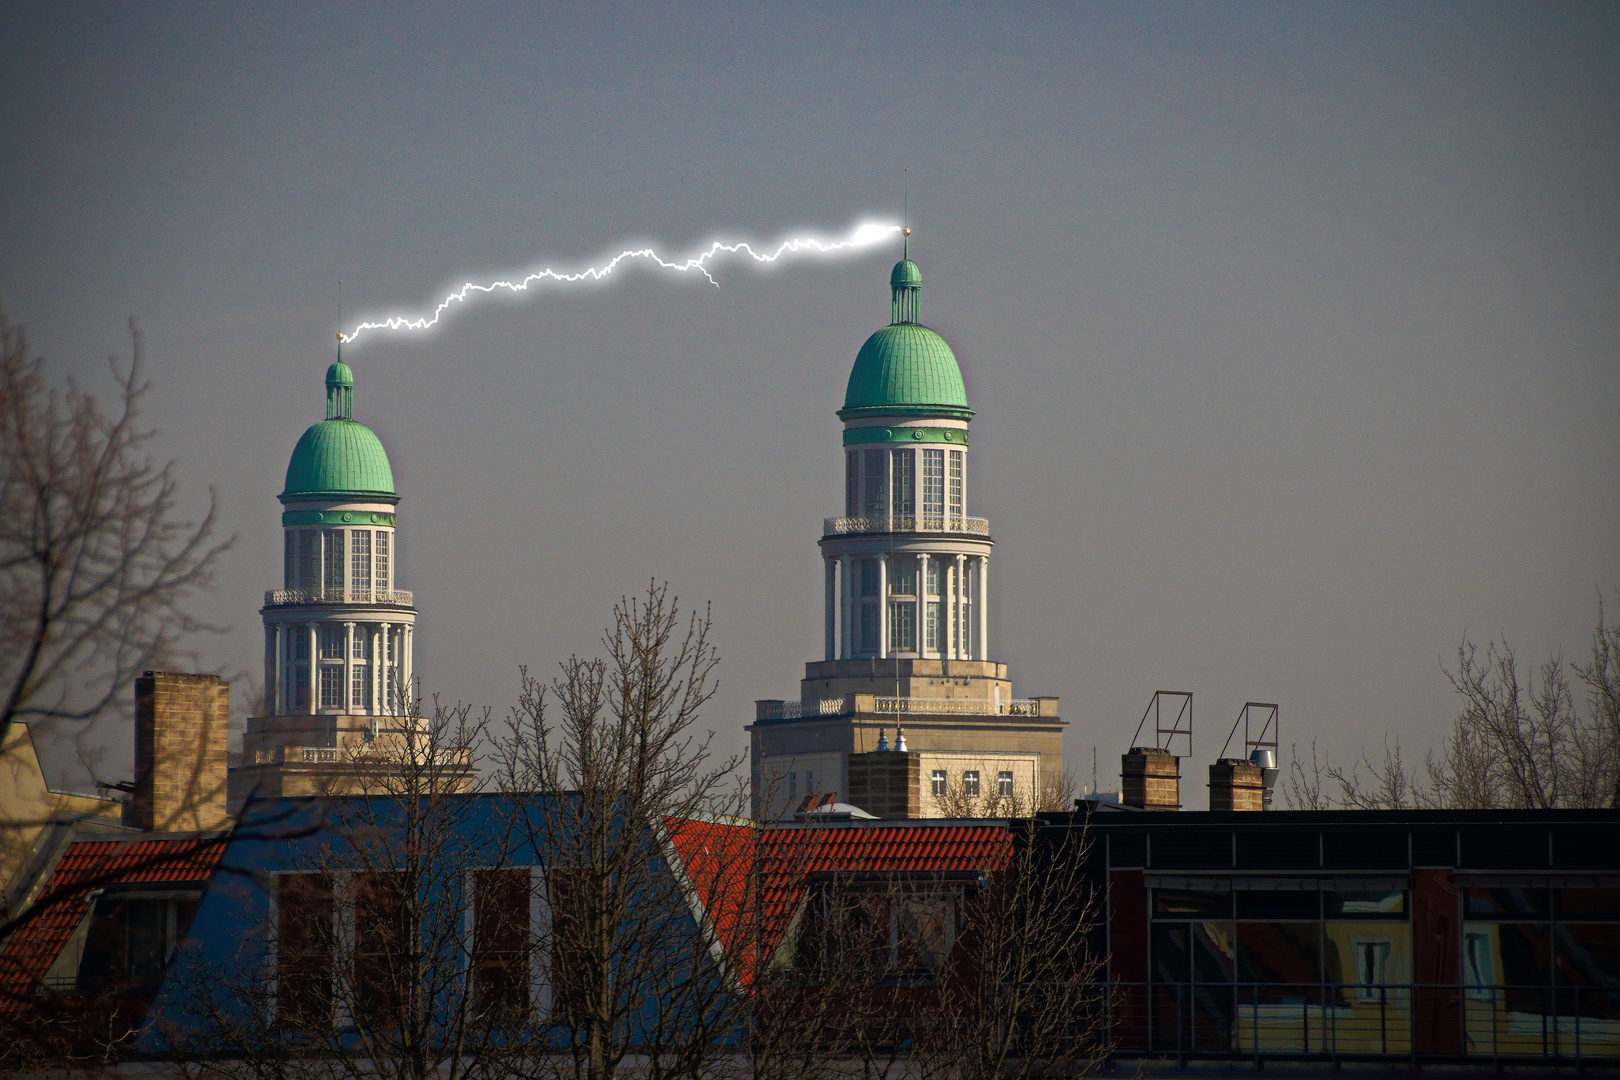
(903, 577)
(381, 562)
(1278, 904)
(360, 562)
(1587, 904)
(869, 627)
(1285, 955)
(1356, 948)
(938, 782)
(1506, 903)
(903, 625)
(904, 481)
(1589, 955)
(970, 783)
(876, 492)
(332, 581)
(309, 560)
(289, 577)
(1004, 784)
(360, 687)
(935, 568)
(933, 489)
(956, 485)
(934, 623)
(1185, 902)
(332, 687)
(332, 641)
(869, 577)
(1382, 904)
(852, 484)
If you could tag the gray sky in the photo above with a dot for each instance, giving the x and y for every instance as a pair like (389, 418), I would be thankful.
(1291, 329)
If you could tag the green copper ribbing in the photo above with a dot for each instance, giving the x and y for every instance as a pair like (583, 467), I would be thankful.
(337, 518)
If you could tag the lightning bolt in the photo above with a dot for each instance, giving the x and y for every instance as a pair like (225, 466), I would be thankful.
(864, 235)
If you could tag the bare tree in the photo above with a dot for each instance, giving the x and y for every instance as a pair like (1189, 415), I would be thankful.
(1521, 740)
(96, 566)
(362, 965)
(623, 761)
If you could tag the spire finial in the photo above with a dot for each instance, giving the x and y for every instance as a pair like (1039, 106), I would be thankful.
(905, 215)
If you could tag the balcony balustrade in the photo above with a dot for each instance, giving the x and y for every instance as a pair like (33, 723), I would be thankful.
(966, 526)
(303, 597)
(854, 704)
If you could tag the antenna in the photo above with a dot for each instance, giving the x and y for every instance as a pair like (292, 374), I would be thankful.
(1164, 736)
(340, 319)
(1272, 723)
(905, 215)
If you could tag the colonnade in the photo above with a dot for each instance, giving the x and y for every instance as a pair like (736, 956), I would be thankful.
(384, 652)
(965, 629)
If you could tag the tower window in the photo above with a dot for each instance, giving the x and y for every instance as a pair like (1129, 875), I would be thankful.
(876, 493)
(970, 783)
(362, 643)
(333, 581)
(933, 492)
(956, 500)
(932, 627)
(852, 483)
(332, 687)
(332, 641)
(360, 689)
(289, 577)
(869, 627)
(938, 781)
(933, 577)
(309, 560)
(902, 626)
(903, 577)
(869, 577)
(360, 564)
(904, 464)
(381, 563)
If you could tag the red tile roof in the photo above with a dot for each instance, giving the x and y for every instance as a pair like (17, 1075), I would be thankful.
(720, 861)
(29, 951)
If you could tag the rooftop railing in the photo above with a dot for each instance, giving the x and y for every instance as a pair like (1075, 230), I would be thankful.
(967, 707)
(854, 704)
(842, 526)
(299, 597)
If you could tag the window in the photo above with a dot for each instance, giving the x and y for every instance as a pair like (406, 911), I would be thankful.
(902, 626)
(933, 491)
(333, 581)
(939, 783)
(1004, 783)
(362, 642)
(931, 579)
(970, 783)
(903, 576)
(360, 688)
(360, 564)
(793, 788)
(304, 939)
(1371, 956)
(289, 558)
(809, 782)
(852, 483)
(309, 560)
(956, 501)
(869, 628)
(380, 562)
(332, 641)
(501, 940)
(876, 504)
(332, 687)
(382, 948)
(932, 627)
(904, 464)
(131, 938)
(869, 577)
(572, 967)
(1479, 964)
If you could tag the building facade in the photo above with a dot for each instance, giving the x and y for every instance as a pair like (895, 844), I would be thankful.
(338, 633)
(906, 606)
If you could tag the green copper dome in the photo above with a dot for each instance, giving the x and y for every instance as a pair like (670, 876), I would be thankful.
(339, 457)
(905, 369)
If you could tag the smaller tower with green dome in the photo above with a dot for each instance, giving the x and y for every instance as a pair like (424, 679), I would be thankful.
(338, 634)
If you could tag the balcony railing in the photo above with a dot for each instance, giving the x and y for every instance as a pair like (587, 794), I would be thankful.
(796, 710)
(843, 526)
(954, 706)
(297, 597)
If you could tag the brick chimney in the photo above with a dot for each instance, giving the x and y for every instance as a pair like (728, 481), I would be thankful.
(181, 747)
(887, 783)
(1150, 778)
(1235, 784)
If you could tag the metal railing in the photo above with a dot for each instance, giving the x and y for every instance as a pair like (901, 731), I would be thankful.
(1378, 1020)
(840, 526)
(294, 597)
(956, 706)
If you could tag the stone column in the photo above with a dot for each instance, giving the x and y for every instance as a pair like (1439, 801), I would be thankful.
(348, 666)
(829, 628)
(922, 604)
(984, 608)
(883, 607)
(847, 590)
(314, 668)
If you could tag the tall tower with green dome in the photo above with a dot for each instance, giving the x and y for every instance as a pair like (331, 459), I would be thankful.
(338, 633)
(906, 609)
